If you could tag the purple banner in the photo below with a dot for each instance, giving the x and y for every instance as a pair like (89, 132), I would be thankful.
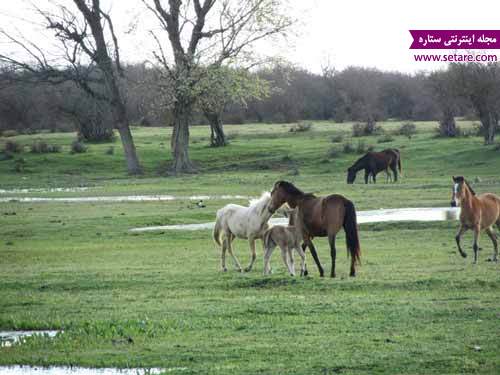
(455, 39)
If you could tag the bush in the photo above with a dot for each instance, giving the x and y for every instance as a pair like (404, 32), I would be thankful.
(78, 147)
(385, 138)
(366, 129)
(12, 147)
(40, 147)
(407, 129)
(19, 165)
(348, 148)
(110, 150)
(338, 138)
(361, 147)
(497, 147)
(333, 152)
(300, 127)
(9, 133)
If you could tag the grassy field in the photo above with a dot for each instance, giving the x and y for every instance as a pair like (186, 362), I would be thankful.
(158, 299)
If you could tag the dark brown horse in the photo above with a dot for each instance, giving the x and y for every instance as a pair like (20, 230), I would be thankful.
(375, 162)
(320, 217)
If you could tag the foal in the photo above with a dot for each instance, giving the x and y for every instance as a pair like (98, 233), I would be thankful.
(287, 238)
(477, 212)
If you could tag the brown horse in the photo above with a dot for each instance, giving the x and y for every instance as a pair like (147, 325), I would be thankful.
(320, 217)
(375, 162)
(477, 212)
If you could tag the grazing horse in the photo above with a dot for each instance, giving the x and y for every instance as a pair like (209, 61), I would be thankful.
(375, 162)
(477, 212)
(320, 217)
(287, 238)
(243, 222)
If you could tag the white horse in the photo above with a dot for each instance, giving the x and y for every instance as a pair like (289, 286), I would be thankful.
(243, 222)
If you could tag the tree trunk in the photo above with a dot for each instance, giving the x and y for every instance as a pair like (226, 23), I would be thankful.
(447, 125)
(217, 137)
(133, 165)
(489, 124)
(180, 139)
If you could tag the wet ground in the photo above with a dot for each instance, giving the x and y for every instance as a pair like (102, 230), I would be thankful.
(67, 370)
(121, 198)
(8, 338)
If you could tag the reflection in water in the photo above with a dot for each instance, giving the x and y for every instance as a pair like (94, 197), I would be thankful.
(372, 216)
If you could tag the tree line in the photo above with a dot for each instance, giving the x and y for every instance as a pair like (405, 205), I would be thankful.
(206, 69)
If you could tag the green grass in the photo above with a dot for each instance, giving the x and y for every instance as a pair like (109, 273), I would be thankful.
(416, 307)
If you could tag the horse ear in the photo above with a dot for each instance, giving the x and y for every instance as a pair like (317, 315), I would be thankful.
(453, 178)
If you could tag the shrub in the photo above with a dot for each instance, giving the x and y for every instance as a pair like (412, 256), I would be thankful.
(40, 147)
(497, 147)
(78, 147)
(348, 148)
(385, 138)
(366, 129)
(110, 150)
(361, 147)
(12, 147)
(333, 152)
(9, 133)
(407, 129)
(300, 127)
(337, 138)
(19, 165)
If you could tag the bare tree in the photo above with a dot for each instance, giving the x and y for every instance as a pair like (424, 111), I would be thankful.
(223, 86)
(92, 61)
(480, 83)
(207, 33)
(444, 92)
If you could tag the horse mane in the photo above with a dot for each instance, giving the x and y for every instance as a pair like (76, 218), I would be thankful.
(470, 188)
(462, 179)
(360, 160)
(289, 188)
(264, 198)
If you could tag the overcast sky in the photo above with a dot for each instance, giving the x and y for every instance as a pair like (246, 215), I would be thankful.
(362, 33)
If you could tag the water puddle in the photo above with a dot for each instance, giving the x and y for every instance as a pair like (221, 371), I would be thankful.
(124, 198)
(73, 370)
(43, 190)
(8, 338)
(372, 216)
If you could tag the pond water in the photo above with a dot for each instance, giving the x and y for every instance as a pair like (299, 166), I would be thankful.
(73, 370)
(372, 216)
(121, 198)
(43, 190)
(7, 338)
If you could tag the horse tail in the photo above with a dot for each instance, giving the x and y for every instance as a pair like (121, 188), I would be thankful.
(351, 231)
(216, 232)
(399, 163)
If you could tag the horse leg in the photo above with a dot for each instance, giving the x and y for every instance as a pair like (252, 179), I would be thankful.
(303, 248)
(230, 250)
(333, 253)
(367, 176)
(315, 257)
(395, 172)
(267, 259)
(475, 245)
(493, 238)
(223, 255)
(461, 231)
(303, 270)
(291, 261)
(374, 177)
(253, 254)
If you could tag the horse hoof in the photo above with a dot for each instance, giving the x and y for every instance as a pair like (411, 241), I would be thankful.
(248, 269)
(352, 275)
(292, 274)
(464, 255)
(492, 260)
(224, 269)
